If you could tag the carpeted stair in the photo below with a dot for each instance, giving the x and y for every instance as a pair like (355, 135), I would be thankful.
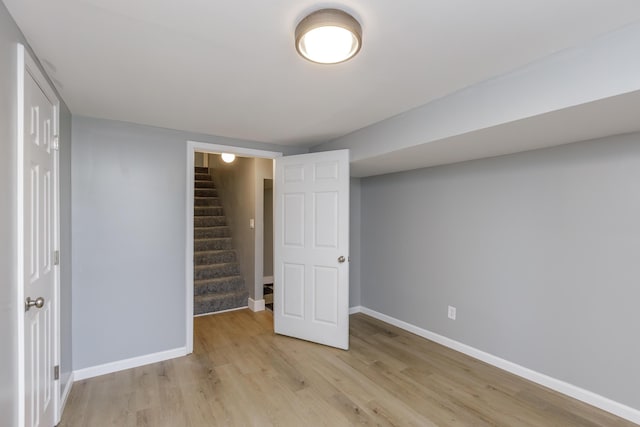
(217, 284)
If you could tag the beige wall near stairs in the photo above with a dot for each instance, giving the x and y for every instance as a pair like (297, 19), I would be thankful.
(240, 185)
(268, 229)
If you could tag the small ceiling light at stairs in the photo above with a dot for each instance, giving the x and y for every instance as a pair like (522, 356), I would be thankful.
(328, 36)
(228, 157)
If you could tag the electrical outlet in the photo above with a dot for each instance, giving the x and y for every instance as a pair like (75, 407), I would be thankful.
(451, 312)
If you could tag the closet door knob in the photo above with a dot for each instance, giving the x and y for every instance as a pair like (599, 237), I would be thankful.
(37, 303)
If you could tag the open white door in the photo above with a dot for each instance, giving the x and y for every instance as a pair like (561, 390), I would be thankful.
(311, 247)
(38, 240)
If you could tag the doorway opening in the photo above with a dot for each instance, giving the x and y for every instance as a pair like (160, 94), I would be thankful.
(240, 185)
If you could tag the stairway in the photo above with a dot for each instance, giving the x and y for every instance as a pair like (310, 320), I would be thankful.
(217, 282)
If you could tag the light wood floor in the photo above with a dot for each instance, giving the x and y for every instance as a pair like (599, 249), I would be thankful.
(242, 374)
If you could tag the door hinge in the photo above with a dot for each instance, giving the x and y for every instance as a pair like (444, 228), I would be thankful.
(55, 144)
(56, 372)
(56, 257)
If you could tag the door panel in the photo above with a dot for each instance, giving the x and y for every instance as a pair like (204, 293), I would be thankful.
(325, 287)
(293, 290)
(311, 240)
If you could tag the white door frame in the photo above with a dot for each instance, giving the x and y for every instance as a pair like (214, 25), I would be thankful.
(206, 147)
(27, 64)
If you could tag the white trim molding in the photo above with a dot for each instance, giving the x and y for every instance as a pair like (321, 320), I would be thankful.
(213, 313)
(256, 305)
(134, 362)
(560, 386)
(355, 309)
(205, 147)
(65, 394)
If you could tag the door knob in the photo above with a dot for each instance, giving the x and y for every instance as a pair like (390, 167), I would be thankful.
(37, 303)
(341, 259)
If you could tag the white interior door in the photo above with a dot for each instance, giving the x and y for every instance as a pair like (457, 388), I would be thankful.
(39, 242)
(311, 247)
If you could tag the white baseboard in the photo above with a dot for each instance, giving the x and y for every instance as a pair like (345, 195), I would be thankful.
(66, 391)
(65, 395)
(256, 305)
(133, 362)
(560, 386)
(267, 280)
(221, 311)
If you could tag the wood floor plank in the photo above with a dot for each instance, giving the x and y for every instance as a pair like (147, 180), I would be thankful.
(242, 374)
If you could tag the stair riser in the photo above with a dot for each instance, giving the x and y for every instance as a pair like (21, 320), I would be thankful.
(203, 177)
(205, 233)
(206, 192)
(208, 201)
(200, 169)
(207, 211)
(227, 303)
(207, 258)
(235, 285)
(216, 271)
(212, 244)
(209, 221)
(204, 184)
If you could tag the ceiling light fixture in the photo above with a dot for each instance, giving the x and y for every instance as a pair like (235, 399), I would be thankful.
(328, 36)
(228, 157)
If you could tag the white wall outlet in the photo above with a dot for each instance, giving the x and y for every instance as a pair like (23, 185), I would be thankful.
(451, 312)
(252, 223)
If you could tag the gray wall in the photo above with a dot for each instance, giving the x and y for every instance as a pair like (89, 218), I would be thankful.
(538, 251)
(354, 242)
(10, 35)
(129, 184)
(66, 269)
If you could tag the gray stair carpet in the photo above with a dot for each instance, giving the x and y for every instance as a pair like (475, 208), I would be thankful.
(217, 282)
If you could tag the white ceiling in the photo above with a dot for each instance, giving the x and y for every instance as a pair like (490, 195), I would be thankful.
(230, 68)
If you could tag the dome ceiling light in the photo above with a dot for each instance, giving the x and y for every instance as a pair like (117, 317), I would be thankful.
(228, 157)
(328, 36)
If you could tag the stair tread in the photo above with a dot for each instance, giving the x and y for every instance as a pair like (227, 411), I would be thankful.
(216, 265)
(217, 279)
(214, 251)
(220, 295)
(211, 238)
